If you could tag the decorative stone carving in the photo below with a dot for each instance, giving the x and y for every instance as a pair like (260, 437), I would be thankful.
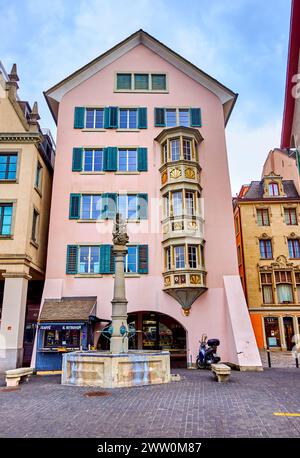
(175, 173)
(167, 281)
(178, 226)
(195, 279)
(120, 236)
(189, 173)
(164, 178)
(192, 225)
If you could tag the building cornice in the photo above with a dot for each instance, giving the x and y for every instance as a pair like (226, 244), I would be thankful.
(21, 137)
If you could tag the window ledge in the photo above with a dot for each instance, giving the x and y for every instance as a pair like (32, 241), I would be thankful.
(92, 173)
(8, 237)
(91, 220)
(90, 129)
(127, 172)
(9, 181)
(35, 244)
(135, 275)
(88, 276)
(38, 191)
(127, 130)
(143, 91)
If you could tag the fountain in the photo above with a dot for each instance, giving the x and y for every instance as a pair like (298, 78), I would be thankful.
(118, 367)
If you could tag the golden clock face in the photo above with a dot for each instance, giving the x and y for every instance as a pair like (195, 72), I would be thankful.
(175, 173)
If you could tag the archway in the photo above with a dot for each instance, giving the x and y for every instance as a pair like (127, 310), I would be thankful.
(157, 331)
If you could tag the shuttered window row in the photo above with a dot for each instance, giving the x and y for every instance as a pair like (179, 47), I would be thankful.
(106, 206)
(99, 259)
(111, 118)
(171, 117)
(110, 159)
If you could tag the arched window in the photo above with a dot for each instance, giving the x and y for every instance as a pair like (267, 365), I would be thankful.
(273, 189)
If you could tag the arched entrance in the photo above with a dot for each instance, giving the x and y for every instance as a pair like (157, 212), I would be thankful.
(157, 331)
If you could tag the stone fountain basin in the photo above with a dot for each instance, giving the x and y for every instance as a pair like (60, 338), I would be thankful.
(111, 370)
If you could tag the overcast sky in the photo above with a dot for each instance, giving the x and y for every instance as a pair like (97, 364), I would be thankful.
(242, 43)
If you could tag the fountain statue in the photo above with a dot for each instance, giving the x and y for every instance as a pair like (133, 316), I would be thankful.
(118, 367)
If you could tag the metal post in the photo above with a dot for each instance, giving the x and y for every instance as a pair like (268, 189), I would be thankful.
(269, 357)
(297, 361)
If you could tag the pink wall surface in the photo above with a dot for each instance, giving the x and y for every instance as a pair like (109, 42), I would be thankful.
(208, 313)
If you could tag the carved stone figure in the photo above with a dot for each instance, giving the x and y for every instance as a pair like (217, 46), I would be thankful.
(120, 236)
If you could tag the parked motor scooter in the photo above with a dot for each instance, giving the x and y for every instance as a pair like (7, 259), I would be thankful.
(207, 352)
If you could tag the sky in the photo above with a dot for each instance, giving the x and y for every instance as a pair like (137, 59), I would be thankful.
(241, 43)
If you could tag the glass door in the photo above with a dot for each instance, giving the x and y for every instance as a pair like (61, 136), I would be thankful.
(288, 331)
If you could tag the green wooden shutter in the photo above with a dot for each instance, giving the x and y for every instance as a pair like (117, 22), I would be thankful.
(109, 205)
(79, 113)
(106, 117)
(143, 206)
(74, 206)
(143, 259)
(159, 117)
(112, 261)
(195, 117)
(77, 159)
(142, 159)
(298, 160)
(105, 259)
(142, 118)
(111, 158)
(72, 259)
(111, 117)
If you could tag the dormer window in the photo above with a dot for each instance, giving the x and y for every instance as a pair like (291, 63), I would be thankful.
(273, 189)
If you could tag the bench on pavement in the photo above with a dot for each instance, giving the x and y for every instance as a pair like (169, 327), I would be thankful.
(221, 372)
(14, 376)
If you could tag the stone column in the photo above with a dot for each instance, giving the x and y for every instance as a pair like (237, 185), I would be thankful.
(13, 319)
(119, 342)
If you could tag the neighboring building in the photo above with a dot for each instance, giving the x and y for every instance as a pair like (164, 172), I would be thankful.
(267, 216)
(290, 136)
(26, 168)
(137, 127)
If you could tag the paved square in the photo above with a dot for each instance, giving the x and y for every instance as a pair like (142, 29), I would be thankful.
(197, 406)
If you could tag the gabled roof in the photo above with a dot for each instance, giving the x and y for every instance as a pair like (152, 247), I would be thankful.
(256, 191)
(55, 93)
(68, 309)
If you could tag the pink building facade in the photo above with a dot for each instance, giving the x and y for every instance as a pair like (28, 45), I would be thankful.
(141, 131)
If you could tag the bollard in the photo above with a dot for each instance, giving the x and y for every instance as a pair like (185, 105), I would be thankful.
(269, 357)
(297, 361)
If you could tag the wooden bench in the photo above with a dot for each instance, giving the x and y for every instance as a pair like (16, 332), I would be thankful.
(221, 372)
(14, 376)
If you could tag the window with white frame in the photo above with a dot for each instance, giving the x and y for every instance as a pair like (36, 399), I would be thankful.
(175, 149)
(89, 258)
(190, 203)
(177, 117)
(192, 256)
(177, 203)
(187, 149)
(166, 205)
(128, 118)
(128, 206)
(141, 82)
(184, 117)
(165, 152)
(171, 117)
(131, 259)
(94, 118)
(127, 160)
(179, 257)
(168, 258)
(91, 206)
(93, 160)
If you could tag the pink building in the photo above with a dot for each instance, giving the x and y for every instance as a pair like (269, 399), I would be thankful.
(141, 131)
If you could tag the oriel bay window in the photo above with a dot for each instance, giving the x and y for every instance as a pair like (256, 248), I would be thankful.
(184, 256)
(284, 288)
(265, 246)
(181, 148)
(294, 248)
(183, 202)
(290, 216)
(8, 166)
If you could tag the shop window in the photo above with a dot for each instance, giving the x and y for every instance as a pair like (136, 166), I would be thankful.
(69, 338)
(290, 216)
(263, 217)
(272, 331)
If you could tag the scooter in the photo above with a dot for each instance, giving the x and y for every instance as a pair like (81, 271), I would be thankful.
(207, 352)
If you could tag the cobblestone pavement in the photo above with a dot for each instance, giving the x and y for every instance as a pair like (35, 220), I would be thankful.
(196, 406)
(279, 359)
